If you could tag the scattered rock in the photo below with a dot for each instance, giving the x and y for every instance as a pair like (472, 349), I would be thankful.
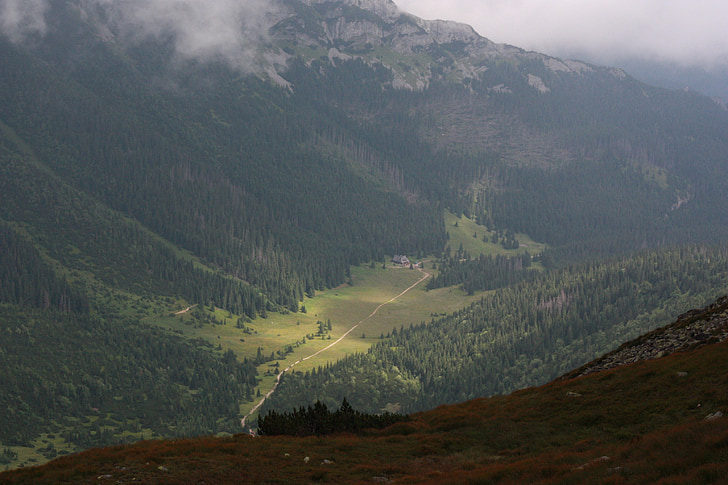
(692, 329)
(380, 479)
(326, 462)
(592, 462)
(713, 416)
(573, 394)
(162, 468)
(619, 470)
(306, 460)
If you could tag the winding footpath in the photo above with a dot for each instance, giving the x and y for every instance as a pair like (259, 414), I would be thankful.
(425, 275)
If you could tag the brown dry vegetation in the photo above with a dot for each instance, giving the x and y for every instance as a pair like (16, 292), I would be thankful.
(644, 423)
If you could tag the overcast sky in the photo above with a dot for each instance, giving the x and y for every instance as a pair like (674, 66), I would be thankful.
(686, 32)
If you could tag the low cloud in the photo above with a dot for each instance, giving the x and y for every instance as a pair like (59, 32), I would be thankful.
(226, 30)
(683, 32)
(21, 18)
(202, 29)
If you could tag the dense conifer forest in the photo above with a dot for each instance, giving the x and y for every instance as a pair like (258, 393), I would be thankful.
(317, 420)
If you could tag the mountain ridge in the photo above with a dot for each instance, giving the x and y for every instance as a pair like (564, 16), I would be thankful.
(345, 34)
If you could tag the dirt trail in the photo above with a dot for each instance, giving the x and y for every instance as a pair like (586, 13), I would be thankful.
(181, 312)
(425, 275)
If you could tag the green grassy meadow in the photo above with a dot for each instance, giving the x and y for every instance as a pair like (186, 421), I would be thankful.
(470, 235)
(293, 338)
(344, 307)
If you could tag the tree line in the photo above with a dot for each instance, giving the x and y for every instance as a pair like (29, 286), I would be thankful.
(317, 420)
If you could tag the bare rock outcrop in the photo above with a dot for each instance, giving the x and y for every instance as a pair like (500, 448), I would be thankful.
(691, 330)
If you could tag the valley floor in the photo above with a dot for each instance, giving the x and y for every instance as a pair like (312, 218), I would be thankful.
(424, 276)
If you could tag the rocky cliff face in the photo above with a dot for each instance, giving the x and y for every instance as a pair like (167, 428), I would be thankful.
(266, 36)
(415, 50)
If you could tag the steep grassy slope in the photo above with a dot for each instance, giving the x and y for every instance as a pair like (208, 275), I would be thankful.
(653, 421)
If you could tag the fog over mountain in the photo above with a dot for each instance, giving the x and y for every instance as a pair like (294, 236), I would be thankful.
(673, 44)
(685, 32)
(223, 29)
(20, 18)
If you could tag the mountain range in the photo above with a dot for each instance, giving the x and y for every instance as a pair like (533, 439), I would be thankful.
(208, 166)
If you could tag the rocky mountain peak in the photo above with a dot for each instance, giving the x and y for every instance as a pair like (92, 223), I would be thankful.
(446, 31)
(376, 31)
(386, 9)
(416, 51)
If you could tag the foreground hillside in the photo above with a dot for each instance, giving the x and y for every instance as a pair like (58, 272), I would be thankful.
(657, 420)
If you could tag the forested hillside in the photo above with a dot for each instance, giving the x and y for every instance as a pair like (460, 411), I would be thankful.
(232, 178)
(519, 335)
(137, 180)
(63, 362)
